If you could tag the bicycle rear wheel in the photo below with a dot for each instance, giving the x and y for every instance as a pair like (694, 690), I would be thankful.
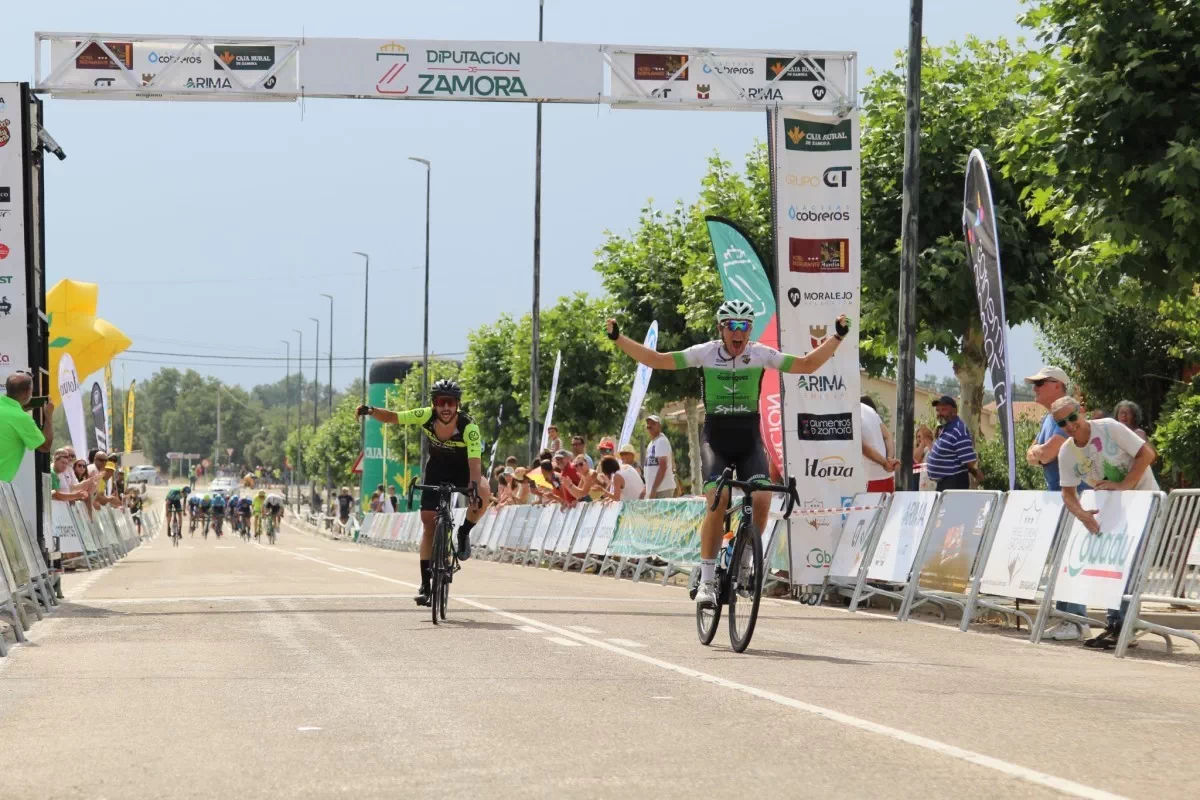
(745, 586)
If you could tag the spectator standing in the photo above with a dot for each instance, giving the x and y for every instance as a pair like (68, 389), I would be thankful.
(952, 458)
(18, 432)
(660, 467)
(921, 450)
(553, 440)
(494, 481)
(1050, 384)
(1109, 457)
(877, 449)
(1129, 414)
(393, 499)
(628, 483)
(579, 448)
(345, 500)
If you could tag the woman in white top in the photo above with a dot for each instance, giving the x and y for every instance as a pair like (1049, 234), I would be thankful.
(624, 481)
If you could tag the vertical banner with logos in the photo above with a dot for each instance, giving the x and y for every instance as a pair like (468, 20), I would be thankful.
(816, 182)
(95, 412)
(637, 394)
(68, 387)
(129, 417)
(743, 277)
(108, 401)
(550, 406)
(14, 319)
(983, 243)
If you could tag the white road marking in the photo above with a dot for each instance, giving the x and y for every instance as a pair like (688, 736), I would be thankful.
(307, 729)
(307, 548)
(583, 629)
(225, 547)
(241, 598)
(625, 643)
(563, 641)
(979, 759)
(530, 629)
(348, 549)
(662, 697)
(336, 569)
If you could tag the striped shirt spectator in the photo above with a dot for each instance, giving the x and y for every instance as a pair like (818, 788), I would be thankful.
(953, 455)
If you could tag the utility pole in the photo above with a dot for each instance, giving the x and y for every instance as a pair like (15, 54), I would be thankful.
(366, 305)
(287, 414)
(312, 494)
(536, 313)
(299, 413)
(217, 454)
(907, 334)
(425, 351)
(328, 473)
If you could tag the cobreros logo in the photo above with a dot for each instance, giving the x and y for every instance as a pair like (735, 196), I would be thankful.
(818, 558)
(814, 214)
(830, 468)
(174, 58)
(1093, 554)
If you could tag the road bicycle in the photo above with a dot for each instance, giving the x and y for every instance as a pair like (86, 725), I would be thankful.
(192, 524)
(444, 562)
(272, 528)
(244, 526)
(218, 520)
(176, 528)
(739, 565)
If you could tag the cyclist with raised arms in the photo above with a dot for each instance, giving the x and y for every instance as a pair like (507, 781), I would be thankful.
(733, 367)
(455, 449)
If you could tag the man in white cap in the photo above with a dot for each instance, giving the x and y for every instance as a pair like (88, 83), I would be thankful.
(1049, 384)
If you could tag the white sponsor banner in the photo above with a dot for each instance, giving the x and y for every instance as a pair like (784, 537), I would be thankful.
(817, 218)
(1024, 537)
(68, 387)
(95, 396)
(852, 541)
(901, 534)
(418, 69)
(69, 538)
(550, 407)
(149, 66)
(641, 382)
(14, 334)
(674, 75)
(1095, 567)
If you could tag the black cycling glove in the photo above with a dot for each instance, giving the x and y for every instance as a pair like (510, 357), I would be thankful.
(364, 411)
(615, 333)
(841, 328)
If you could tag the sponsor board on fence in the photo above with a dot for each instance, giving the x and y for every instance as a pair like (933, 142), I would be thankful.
(906, 520)
(1095, 567)
(953, 543)
(668, 529)
(852, 539)
(818, 279)
(1024, 537)
(69, 538)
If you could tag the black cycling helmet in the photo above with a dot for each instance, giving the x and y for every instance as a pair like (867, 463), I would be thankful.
(445, 388)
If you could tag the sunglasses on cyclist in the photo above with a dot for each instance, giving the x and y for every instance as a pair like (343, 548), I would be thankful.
(445, 402)
(736, 325)
(1072, 417)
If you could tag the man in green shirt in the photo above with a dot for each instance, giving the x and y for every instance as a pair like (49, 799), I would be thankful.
(18, 432)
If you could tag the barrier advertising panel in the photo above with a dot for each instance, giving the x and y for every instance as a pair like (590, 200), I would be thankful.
(669, 529)
(1095, 567)
(1024, 537)
(852, 542)
(902, 532)
(953, 542)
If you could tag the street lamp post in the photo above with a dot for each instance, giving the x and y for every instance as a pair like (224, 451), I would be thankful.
(425, 349)
(316, 397)
(328, 473)
(299, 411)
(287, 391)
(366, 295)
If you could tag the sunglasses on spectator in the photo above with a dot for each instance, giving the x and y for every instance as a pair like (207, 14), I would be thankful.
(1072, 417)
(736, 325)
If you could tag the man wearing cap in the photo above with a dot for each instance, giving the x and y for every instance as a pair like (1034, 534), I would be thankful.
(953, 457)
(1049, 384)
(660, 469)
(579, 448)
(607, 447)
(634, 485)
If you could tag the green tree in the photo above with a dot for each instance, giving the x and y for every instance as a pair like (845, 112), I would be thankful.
(489, 380)
(1177, 437)
(335, 445)
(1110, 153)
(970, 93)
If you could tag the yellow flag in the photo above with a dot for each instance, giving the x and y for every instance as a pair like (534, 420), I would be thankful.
(129, 418)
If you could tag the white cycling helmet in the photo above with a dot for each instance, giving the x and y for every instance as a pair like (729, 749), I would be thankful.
(735, 309)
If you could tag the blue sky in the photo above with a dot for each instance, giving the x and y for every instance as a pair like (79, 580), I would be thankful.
(214, 227)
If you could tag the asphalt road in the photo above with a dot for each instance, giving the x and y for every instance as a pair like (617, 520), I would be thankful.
(227, 669)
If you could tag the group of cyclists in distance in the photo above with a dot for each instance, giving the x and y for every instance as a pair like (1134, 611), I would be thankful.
(249, 514)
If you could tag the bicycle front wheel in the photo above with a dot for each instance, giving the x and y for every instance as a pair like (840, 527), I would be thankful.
(745, 586)
(437, 575)
(707, 619)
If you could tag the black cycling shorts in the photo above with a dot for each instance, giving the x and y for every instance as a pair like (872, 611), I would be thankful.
(174, 504)
(436, 474)
(731, 442)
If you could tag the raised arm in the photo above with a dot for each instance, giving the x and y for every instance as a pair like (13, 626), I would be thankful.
(639, 352)
(415, 416)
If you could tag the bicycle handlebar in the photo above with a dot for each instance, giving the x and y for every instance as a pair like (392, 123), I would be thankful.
(750, 487)
(445, 488)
